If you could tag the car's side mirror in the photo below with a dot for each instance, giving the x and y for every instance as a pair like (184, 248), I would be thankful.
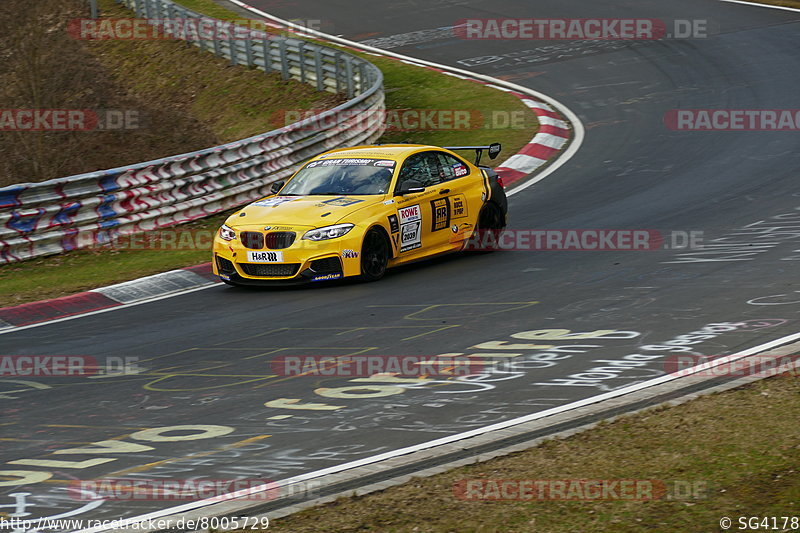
(494, 150)
(277, 186)
(410, 187)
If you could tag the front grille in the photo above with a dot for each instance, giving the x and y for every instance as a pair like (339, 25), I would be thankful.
(270, 270)
(277, 240)
(253, 240)
(224, 266)
(328, 264)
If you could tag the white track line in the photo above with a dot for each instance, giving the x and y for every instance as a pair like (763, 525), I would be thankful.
(579, 131)
(563, 158)
(453, 438)
(756, 4)
(114, 308)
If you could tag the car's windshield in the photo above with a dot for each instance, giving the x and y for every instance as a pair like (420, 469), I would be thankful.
(342, 176)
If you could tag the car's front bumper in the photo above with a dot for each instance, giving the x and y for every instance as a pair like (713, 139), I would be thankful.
(304, 261)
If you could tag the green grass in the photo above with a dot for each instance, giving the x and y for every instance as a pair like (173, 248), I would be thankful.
(739, 448)
(233, 101)
(59, 275)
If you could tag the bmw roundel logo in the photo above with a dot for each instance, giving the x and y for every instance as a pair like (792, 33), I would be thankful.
(454, 228)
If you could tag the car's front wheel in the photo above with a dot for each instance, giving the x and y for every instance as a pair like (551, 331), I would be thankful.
(374, 255)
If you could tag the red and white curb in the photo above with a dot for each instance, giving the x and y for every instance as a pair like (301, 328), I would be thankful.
(559, 137)
(106, 298)
(558, 124)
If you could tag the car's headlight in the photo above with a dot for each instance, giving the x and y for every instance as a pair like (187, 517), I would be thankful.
(328, 232)
(226, 233)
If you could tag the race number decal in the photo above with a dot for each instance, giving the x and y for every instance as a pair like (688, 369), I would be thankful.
(410, 224)
(441, 214)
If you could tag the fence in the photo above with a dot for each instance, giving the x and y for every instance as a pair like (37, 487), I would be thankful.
(38, 219)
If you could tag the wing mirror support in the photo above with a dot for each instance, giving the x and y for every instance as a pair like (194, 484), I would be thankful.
(410, 187)
(277, 186)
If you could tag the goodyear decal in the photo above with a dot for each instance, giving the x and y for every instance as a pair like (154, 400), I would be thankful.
(327, 277)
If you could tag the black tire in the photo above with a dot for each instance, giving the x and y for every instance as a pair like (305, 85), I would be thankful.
(374, 255)
(490, 220)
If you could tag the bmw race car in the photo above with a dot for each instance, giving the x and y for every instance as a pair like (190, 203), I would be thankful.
(358, 211)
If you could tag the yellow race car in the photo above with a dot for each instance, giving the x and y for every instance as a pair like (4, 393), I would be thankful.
(358, 211)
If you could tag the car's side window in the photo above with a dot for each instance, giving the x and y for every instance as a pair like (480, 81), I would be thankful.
(423, 167)
(452, 167)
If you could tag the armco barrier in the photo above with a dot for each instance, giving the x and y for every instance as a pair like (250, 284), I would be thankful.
(63, 214)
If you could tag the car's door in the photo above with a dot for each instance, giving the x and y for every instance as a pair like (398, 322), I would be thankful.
(420, 217)
(462, 192)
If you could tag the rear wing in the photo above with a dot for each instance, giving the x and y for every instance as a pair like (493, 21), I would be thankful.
(493, 149)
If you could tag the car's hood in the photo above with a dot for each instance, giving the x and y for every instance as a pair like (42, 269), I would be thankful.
(316, 211)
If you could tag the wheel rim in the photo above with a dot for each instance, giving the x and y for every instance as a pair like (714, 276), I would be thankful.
(375, 254)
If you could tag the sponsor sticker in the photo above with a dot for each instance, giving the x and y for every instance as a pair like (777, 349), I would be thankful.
(410, 222)
(460, 170)
(352, 162)
(458, 208)
(265, 257)
(327, 277)
(349, 254)
(441, 214)
(394, 225)
(342, 202)
(277, 200)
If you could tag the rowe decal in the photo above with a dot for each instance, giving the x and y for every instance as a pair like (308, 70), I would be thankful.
(410, 223)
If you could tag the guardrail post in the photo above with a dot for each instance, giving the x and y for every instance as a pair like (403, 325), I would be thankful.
(215, 39)
(318, 67)
(348, 63)
(301, 50)
(248, 48)
(147, 6)
(232, 51)
(93, 9)
(267, 55)
(200, 41)
(337, 73)
(284, 59)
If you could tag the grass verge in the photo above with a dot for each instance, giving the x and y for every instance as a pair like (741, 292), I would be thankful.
(738, 450)
(222, 102)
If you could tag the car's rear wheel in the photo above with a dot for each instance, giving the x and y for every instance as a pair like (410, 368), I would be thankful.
(490, 221)
(374, 255)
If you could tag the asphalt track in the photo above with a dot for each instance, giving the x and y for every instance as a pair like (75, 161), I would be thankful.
(205, 356)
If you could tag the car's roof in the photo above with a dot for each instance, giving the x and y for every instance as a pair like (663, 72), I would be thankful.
(387, 151)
